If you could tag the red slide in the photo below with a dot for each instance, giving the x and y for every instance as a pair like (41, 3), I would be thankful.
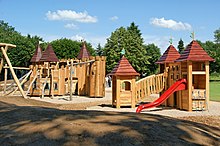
(179, 85)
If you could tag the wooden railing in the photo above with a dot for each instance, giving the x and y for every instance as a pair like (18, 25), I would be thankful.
(149, 85)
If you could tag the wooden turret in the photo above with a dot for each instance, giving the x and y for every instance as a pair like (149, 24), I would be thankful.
(195, 68)
(84, 53)
(168, 65)
(123, 84)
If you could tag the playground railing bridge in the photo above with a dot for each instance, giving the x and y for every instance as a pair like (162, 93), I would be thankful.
(153, 84)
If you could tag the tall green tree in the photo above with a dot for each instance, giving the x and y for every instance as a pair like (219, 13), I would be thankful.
(99, 50)
(180, 46)
(154, 52)
(25, 45)
(217, 36)
(113, 47)
(213, 50)
(130, 39)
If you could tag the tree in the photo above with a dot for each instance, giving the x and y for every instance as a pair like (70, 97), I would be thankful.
(217, 36)
(130, 39)
(99, 50)
(66, 48)
(113, 47)
(213, 50)
(180, 46)
(25, 45)
(155, 54)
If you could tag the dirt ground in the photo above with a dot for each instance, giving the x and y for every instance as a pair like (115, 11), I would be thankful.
(31, 122)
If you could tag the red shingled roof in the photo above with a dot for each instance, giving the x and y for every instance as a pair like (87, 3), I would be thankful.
(194, 52)
(49, 55)
(124, 68)
(169, 56)
(37, 54)
(84, 53)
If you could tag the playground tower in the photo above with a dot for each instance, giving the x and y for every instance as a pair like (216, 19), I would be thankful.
(123, 84)
(193, 65)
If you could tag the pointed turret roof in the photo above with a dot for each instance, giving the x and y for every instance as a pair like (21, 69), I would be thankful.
(169, 56)
(48, 55)
(84, 53)
(194, 52)
(124, 68)
(37, 54)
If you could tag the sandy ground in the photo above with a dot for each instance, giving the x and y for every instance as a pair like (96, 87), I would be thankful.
(92, 121)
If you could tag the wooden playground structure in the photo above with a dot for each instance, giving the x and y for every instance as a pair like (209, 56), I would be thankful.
(49, 76)
(192, 65)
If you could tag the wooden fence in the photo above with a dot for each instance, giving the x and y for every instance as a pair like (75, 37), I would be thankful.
(149, 85)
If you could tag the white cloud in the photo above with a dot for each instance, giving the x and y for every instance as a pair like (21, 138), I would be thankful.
(172, 24)
(114, 18)
(83, 17)
(71, 26)
(77, 37)
(161, 42)
(94, 40)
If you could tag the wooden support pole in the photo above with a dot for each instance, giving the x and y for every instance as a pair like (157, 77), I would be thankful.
(92, 78)
(5, 80)
(133, 102)
(189, 80)
(24, 80)
(24, 68)
(44, 84)
(2, 60)
(13, 73)
(97, 77)
(118, 90)
(29, 87)
(207, 84)
(52, 84)
(71, 80)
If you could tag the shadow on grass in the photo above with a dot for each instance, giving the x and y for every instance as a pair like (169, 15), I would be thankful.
(26, 125)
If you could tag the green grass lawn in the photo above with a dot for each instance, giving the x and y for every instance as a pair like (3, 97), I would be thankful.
(214, 91)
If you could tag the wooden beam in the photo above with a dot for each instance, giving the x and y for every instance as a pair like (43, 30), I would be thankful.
(7, 45)
(80, 63)
(198, 72)
(207, 84)
(13, 73)
(43, 86)
(24, 68)
(24, 80)
(189, 81)
(29, 87)
(2, 60)
(71, 80)
(5, 80)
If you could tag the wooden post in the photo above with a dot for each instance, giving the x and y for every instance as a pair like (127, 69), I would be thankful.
(104, 72)
(2, 59)
(97, 79)
(5, 80)
(13, 73)
(133, 102)
(52, 83)
(189, 80)
(92, 78)
(29, 87)
(207, 83)
(118, 90)
(71, 80)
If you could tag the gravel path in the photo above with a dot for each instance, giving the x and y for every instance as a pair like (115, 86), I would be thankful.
(214, 107)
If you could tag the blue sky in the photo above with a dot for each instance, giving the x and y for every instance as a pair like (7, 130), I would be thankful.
(94, 20)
